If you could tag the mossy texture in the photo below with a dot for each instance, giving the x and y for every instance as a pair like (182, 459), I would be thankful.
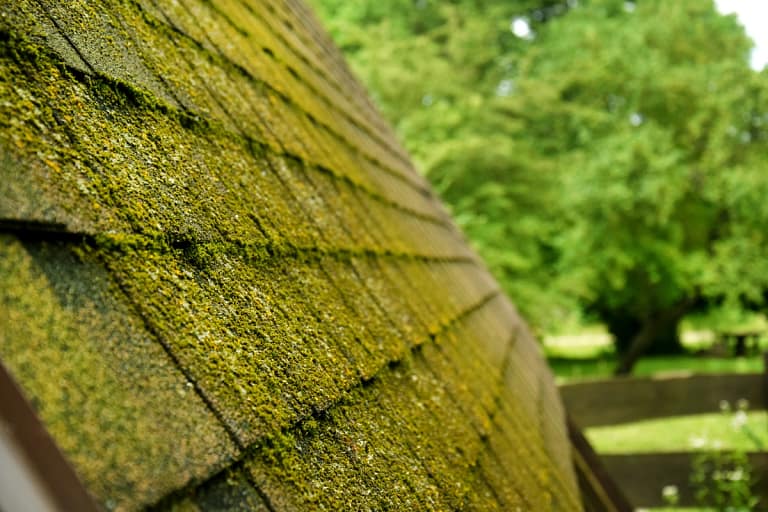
(462, 438)
(225, 287)
(115, 402)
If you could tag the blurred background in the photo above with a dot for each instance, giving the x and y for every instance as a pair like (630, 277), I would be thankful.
(608, 159)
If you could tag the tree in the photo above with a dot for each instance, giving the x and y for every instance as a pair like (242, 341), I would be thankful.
(652, 112)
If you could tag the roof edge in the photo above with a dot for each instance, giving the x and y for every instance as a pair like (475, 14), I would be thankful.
(35, 459)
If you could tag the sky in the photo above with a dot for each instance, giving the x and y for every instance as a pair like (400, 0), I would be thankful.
(753, 14)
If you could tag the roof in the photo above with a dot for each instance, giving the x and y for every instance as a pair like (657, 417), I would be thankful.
(223, 285)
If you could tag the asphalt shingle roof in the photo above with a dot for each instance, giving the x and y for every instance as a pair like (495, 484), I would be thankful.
(223, 286)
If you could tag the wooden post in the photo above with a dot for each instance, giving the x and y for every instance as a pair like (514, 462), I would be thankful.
(765, 381)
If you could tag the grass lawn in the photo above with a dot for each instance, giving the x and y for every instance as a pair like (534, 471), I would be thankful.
(589, 355)
(568, 368)
(682, 433)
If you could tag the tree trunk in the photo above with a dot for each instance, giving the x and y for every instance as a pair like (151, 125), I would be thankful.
(667, 338)
(624, 329)
(658, 331)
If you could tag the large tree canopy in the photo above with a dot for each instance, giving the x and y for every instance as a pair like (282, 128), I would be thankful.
(613, 158)
(656, 122)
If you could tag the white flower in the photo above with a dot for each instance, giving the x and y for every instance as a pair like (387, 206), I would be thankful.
(698, 442)
(742, 404)
(739, 420)
(669, 492)
(725, 406)
(521, 28)
(736, 475)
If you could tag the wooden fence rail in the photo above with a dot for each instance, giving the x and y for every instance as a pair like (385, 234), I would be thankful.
(641, 476)
(624, 400)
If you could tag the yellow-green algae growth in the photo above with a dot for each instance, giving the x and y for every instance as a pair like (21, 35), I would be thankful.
(244, 297)
(108, 392)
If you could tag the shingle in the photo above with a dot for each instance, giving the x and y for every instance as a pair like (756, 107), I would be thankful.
(246, 297)
(298, 80)
(241, 328)
(106, 45)
(354, 457)
(293, 176)
(128, 419)
(380, 336)
(229, 491)
(519, 438)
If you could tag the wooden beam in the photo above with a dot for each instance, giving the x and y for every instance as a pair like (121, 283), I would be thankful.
(624, 400)
(599, 491)
(642, 476)
(32, 463)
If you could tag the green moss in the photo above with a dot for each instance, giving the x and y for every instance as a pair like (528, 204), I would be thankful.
(247, 229)
(231, 25)
(353, 460)
(257, 351)
(379, 449)
(110, 396)
(230, 491)
(280, 343)
(109, 161)
(114, 193)
(105, 43)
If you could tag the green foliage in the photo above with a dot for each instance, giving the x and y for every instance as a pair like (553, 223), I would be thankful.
(725, 480)
(654, 123)
(610, 161)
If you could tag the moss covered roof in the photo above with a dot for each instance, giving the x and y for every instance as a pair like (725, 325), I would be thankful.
(224, 287)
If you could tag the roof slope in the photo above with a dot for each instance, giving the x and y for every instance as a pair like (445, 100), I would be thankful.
(223, 286)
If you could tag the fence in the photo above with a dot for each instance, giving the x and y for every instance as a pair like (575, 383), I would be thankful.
(641, 476)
